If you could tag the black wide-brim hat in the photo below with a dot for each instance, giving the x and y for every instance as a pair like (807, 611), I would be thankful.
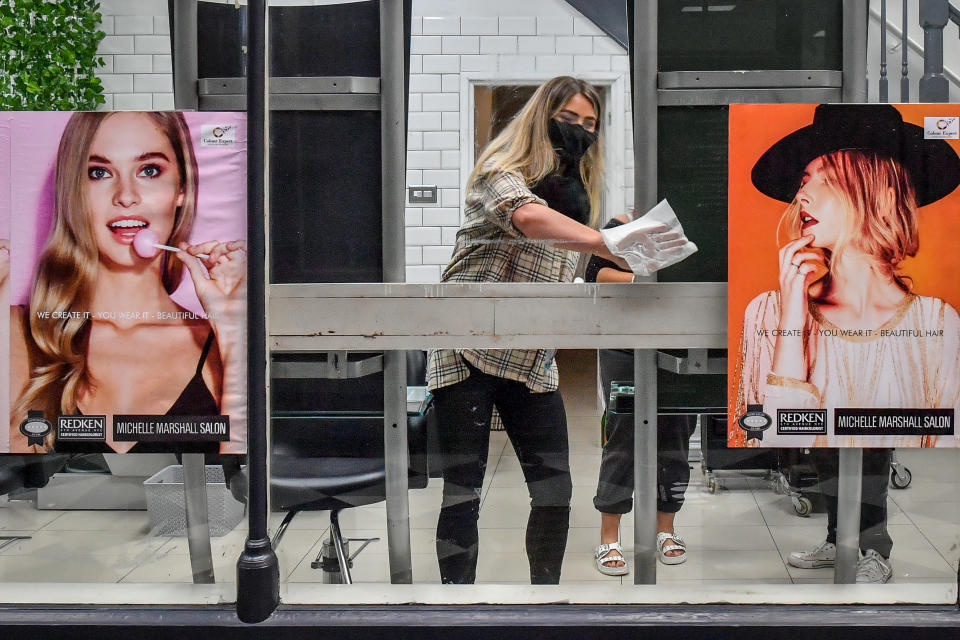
(933, 165)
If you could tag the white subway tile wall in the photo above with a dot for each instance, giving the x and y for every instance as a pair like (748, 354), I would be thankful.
(467, 38)
(441, 218)
(414, 218)
(136, 50)
(414, 139)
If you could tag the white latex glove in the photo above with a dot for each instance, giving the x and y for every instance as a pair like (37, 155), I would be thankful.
(651, 242)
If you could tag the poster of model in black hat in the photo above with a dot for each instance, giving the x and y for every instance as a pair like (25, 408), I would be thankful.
(844, 255)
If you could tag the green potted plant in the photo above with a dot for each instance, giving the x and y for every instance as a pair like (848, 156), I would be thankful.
(48, 55)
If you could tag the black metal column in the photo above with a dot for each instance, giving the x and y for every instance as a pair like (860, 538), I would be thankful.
(934, 15)
(258, 573)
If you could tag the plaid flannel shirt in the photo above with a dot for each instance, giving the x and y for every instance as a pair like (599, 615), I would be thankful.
(489, 248)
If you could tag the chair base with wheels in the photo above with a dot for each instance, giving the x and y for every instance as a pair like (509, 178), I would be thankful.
(332, 463)
(327, 451)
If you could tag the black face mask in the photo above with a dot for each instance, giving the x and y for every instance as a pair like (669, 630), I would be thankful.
(570, 141)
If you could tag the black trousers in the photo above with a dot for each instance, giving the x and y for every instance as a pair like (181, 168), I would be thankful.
(615, 486)
(537, 427)
(873, 504)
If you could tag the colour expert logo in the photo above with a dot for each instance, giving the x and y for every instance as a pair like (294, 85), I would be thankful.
(941, 127)
(218, 135)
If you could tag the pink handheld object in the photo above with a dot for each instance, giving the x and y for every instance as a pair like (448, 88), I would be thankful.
(147, 245)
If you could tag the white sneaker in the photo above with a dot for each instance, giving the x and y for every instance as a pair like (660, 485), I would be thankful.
(824, 555)
(873, 568)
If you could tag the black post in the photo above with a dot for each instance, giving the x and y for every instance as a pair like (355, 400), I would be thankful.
(904, 79)
(883, 51)
(934, 86)
(258, 573)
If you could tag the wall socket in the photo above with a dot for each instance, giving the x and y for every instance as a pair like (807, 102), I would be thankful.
(422, 194)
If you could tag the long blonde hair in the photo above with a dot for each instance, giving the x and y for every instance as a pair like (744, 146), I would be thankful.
(881, 206)
(67, 266)
(524, 147)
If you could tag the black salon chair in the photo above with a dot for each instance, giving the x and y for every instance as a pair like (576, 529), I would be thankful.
(26, 472)
(330, 460)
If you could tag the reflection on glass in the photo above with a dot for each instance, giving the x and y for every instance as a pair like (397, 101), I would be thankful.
(710, 35)
(743, 512)
(111, 518)
(494, 107)
(327, 463)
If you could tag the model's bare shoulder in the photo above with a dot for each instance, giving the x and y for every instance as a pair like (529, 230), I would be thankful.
(19, 327)
(18, 317)
(19, 352)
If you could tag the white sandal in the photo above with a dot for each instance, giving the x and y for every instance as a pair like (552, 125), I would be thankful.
(662, 537)
(616, 556)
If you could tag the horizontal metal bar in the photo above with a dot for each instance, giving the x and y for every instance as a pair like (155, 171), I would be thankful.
(336, 366)
(696, 363)
(402, 343)
(491, 290)
(297, 102)
(321, 317)
(712, 97)
(285, 84)
(392, 611)
(749, 79)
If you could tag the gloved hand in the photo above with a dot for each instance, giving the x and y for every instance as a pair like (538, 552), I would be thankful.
(651, 242)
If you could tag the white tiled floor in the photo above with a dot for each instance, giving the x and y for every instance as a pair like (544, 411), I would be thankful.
(741, 534)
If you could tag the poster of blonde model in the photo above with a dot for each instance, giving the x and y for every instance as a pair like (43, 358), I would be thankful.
(844, 230)
(126, 283)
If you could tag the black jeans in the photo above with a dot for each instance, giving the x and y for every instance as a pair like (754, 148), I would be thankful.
(537, 427)
(615, 486)
(873, 503)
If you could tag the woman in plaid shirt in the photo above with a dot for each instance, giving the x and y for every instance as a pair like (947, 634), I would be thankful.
(532, 204)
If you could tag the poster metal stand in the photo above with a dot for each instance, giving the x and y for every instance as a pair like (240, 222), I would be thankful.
(198, 521)
(848, 516)
(643, 85)
(393, 131)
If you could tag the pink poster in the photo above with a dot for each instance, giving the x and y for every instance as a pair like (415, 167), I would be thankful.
(123, 257)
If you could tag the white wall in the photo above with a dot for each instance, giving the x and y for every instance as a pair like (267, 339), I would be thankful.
(136, 51)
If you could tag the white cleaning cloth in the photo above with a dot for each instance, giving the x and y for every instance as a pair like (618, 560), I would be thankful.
(651, 242)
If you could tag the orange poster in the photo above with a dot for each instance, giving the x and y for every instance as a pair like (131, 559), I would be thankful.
(844, 275)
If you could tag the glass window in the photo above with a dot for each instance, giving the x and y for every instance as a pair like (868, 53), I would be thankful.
(518, 454)
(722, 35)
